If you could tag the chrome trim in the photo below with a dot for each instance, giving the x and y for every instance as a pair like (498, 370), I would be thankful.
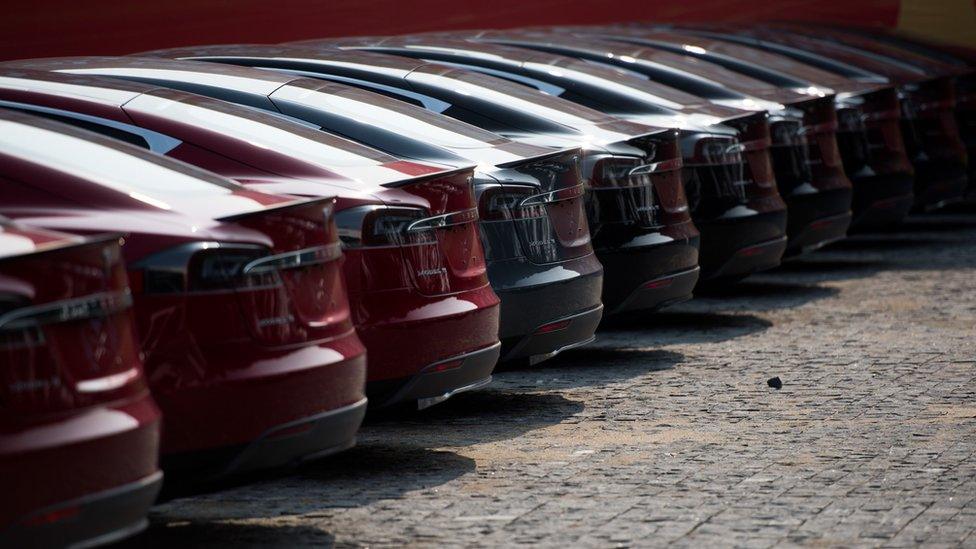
(665, 165)
(107, 383)
(293, 260)
(427, 402)
(461, 217)
(558, 195)
(97, 305)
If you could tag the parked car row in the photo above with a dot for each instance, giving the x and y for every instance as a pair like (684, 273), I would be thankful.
(212, 258)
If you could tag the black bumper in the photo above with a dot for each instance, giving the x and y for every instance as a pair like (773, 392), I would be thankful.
(881, 200)
(817, 219)
(528, 314)
(938, 184)
(92, 520)
(287, 444)
(553, 337)
(739, 246)
(437, 382)
(635, 278)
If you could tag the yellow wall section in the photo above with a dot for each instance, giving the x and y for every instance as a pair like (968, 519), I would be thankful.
(951, 21)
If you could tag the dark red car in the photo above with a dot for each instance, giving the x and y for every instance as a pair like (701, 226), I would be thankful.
(957, 63)
(532, 223)
(868, 117)
(79, 432)
(240, 304)
(928, 103)
(404, 286)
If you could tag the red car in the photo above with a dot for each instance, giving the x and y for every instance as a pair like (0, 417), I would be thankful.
(931, 61)
(405, 287)
(79, 432)
(240, 305)
(868, 117)
(928, 104)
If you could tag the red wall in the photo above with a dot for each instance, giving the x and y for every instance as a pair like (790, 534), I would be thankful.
(78, 27)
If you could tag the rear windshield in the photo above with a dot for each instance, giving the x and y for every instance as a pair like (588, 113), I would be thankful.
(143, 176)
(513, 95)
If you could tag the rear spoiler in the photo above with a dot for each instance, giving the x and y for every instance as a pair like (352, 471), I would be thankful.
(66, 245)
(279, 208)
(408, 180)
(536, 158)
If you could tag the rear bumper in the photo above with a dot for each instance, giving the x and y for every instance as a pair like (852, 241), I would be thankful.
(251, 392)
(50, 469)
(574, 296)
(739, 246)
(438, 381)
(819, 233)
(285, 444)
(635, 278)
(557, 335)
(882, 200)
(95, 519)
(938, 184)
(404, 336)
(817, 219)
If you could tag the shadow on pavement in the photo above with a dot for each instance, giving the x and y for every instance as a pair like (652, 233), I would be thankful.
(677, 326)
(596, 365)
(189, 535)
(824, 267)
(762, 292)
(362, 475)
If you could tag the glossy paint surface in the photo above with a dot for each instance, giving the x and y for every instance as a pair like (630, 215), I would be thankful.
(210, 342)
(611, 92)
(814, 146)
(930, 121)
(243, 144)
(548, 235)
(446, 87)
(77, 417)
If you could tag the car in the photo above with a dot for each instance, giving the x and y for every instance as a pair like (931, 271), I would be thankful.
(537, 253)
(932, 60)
(868, 133)
(805, 154)
(79, 431)
(239, 301)
(622, 233)
(634, 289)
(814, 219)
(927, 101)
(620, 213)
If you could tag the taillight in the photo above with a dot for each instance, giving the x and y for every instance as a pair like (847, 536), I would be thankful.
(224, 269)
(498, 203)
(201, 267)
(377, 226)
(710, 151)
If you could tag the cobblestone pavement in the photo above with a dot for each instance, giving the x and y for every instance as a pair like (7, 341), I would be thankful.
(665, 431)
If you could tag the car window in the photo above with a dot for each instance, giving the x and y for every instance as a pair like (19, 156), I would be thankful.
(133, 135)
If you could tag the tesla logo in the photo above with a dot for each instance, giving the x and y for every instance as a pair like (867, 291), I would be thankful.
(433, 272)
(35, 384)
(275, 321)
(542, 243)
